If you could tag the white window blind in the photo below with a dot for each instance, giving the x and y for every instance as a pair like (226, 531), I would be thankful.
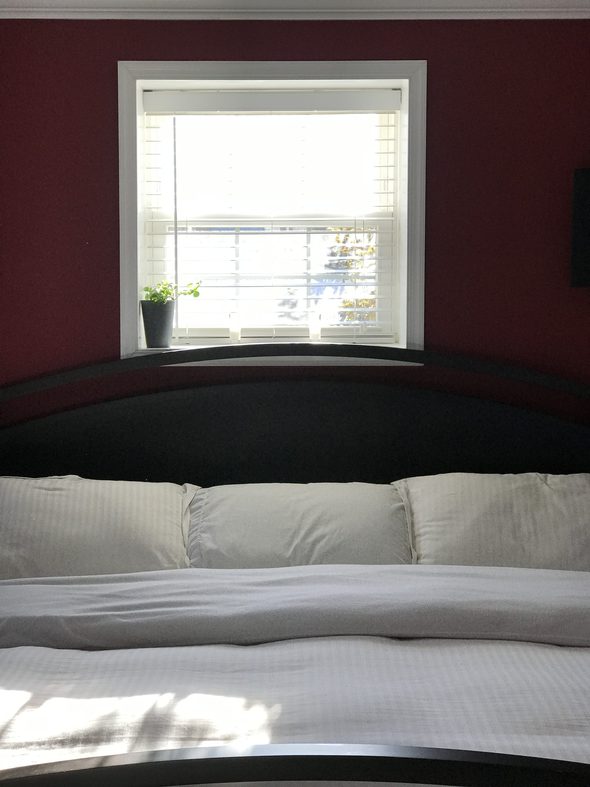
(283, 204)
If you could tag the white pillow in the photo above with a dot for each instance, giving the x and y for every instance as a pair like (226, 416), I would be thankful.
(529, 520)
(68, 526)
(265, 525)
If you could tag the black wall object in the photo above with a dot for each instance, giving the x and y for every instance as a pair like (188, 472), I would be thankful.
(581, 229)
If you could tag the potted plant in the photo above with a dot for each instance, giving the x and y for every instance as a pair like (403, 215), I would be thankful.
(157, 309)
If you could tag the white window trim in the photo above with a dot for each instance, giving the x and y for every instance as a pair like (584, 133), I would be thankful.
(136, 76)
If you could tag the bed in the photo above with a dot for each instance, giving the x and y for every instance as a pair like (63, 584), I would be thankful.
(302, 580)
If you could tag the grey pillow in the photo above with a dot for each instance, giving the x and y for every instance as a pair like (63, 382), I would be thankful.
(528, 520)
(67, 525)
(265, 525)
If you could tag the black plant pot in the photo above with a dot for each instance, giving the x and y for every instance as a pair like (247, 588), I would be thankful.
(158, 320)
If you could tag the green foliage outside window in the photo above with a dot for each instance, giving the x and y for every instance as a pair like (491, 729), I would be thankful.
(350, 253)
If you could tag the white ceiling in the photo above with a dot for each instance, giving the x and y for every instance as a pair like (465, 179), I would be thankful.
(295, 9)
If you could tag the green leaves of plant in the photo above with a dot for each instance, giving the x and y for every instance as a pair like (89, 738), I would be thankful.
(168, 291)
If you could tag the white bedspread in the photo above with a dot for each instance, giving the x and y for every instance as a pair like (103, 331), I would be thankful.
(452, 657)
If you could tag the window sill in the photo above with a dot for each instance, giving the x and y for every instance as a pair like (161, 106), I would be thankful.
(284, 354)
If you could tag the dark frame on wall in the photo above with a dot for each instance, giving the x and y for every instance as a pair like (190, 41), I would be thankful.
(581, 229)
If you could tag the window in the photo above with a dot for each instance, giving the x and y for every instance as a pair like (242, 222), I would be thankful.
(292, 191)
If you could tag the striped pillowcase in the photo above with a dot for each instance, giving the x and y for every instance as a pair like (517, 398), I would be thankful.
(71, 526)
(282, 524)
(528, 520)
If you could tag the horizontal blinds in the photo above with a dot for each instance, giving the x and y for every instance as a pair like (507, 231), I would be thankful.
(284, 220)
(279, 274)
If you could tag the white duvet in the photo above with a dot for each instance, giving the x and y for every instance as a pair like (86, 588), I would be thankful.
(493, 659)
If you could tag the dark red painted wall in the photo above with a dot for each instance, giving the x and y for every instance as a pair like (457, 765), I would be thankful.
(508, 122)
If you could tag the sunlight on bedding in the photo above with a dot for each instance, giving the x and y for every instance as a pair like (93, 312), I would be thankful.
(230, 719)
(11, 702)
(59, 725)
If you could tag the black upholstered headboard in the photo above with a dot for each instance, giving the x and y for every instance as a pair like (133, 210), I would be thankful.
(294, 430)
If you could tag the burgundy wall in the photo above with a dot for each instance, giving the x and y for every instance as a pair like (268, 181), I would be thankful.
(508, 122)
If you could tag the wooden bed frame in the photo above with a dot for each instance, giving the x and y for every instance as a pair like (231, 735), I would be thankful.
(303, 430)
(304, 762)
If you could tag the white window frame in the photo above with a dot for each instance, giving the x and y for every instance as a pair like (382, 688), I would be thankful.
(409, 75)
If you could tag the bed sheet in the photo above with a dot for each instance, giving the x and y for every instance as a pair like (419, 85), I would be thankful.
(435, 656)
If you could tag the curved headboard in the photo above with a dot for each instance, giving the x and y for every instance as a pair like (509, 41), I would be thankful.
(298, 431)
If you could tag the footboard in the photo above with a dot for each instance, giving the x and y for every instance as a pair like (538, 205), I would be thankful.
(305, 762)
